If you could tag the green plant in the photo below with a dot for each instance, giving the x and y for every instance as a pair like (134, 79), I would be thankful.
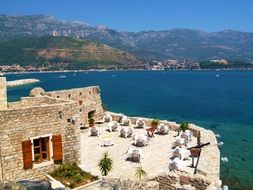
(105, 164)
(154, 122)
(140, 172)
(71, 175)
(184, 126)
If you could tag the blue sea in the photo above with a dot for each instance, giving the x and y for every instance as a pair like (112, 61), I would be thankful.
(218, 100)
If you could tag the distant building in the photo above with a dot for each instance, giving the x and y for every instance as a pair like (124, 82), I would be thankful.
(221, 61)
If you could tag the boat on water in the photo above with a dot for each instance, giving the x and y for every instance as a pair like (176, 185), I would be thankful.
(217, 75)
(62, 76)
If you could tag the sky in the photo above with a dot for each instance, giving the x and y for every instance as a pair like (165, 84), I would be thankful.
(139, 15)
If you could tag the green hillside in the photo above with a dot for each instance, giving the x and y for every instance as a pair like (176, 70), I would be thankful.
(63, 52)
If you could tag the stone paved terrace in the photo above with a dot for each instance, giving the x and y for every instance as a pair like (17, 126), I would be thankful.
(155, 159)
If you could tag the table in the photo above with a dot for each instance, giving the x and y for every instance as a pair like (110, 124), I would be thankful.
(107, 141)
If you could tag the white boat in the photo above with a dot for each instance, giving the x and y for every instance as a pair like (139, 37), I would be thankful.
(62, 76)
(217, 75)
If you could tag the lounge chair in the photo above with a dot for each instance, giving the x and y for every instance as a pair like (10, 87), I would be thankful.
(95, 131)
(140, 123)
(125, 121)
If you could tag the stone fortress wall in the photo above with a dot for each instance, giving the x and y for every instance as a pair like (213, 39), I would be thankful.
(43, 113)
(88, 99)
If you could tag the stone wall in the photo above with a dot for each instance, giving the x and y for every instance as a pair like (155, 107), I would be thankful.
(88, 100)
(26, 102)
(3, 93)
(177, 180)
(21, 124)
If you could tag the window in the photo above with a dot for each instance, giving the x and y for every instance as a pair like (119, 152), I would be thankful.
(69, 95)
(80, 102)
(80, 93)
(41, 150)
(58, 96)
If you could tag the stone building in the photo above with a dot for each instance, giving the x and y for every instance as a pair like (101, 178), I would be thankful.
(42, 130)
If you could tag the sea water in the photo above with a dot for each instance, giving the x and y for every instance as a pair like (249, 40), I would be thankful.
(223, 104)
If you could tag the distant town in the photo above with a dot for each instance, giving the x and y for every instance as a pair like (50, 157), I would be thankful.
(154, 65)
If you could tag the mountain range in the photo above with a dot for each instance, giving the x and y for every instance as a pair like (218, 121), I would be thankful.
(177, 44)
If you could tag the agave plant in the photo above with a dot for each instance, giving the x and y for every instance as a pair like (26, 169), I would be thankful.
(140, 172)
(105, 164)
(184, 126)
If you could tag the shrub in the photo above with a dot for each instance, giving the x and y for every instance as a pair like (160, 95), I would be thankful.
(71, 175)
(184, 126)
(105, 164)
(140, 172)
(154, 122)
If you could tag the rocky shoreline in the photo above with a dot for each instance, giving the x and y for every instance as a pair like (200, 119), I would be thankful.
(21, 82)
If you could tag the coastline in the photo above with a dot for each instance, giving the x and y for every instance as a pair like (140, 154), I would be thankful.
(105, 70)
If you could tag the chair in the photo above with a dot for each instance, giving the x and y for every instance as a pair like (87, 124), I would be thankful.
(135, 156)
(125, 121)
(112, 126)
(178, 165)
(163, 129)
(140, 142)
(94, 131)
(107, 118)
(186, 134)
(126, 132)
(139, 123)
(180, 142)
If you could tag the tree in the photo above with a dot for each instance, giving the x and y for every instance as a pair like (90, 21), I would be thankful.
(140, 172)
(105, 164)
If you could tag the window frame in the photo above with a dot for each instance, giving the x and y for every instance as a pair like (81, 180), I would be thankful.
(51, 160)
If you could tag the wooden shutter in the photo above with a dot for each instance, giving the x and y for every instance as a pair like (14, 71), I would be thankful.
(27, 154)
(57, 149)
